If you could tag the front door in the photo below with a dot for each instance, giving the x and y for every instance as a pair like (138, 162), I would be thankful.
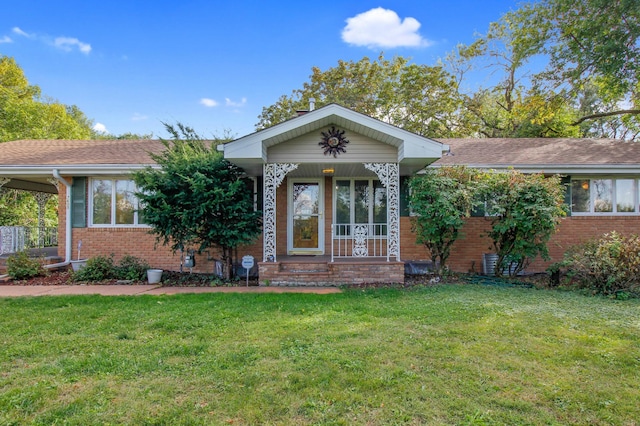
(306, 208)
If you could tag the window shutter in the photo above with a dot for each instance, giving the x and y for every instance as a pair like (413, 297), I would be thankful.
(79, 202)
(260, 190)
(404, 195)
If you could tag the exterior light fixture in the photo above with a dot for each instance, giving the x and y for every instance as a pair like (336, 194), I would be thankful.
(585, 185)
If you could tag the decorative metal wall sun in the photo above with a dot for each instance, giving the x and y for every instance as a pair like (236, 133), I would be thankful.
(333, 142)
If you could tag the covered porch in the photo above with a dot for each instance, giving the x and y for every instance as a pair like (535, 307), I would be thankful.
(22, 236)
(349, 212)
(37, 239)
(328, 182)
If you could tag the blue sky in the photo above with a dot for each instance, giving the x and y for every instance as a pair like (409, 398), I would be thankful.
(213, 65)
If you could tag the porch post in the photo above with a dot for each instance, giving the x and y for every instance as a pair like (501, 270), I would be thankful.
(41, 199)
(274, 174)
(389, 175)
(5, 236)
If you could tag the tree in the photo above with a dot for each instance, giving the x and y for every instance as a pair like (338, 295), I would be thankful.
(124, 136)
(516, 105)
(197, 198)
(596, 57)
(524, 210)
(417, 98)
(24, 114)
(615, 126)
(586, 40)
(527, 114)
(441, 199)
(19, 208)
(603, 50)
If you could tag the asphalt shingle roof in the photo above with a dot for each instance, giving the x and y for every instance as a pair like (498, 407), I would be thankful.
(537, 151)
(473, 152)
(77, 152)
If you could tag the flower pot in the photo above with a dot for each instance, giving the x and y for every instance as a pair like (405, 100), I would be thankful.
(154, 275)
(76, 265)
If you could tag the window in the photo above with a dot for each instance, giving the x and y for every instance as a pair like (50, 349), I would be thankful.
(360, 201)
(604, 196)
(113, 203)
(625, 195)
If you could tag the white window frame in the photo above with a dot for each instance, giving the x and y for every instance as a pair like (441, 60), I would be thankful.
(614, 201)
(113, 180)
(370, 212)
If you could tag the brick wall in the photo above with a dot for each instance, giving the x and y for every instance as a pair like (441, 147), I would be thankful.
(137, 242)
(466, 254)
(332, 274)
(281, 219)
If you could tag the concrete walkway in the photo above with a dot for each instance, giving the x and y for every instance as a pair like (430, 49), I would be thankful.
(134, 290)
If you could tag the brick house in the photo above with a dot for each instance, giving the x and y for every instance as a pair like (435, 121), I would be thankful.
(332, 186)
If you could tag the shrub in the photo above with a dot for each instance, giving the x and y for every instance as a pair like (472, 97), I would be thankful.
(131, 268)
(97, 269)
(197, 198)
(101, 268)
(609, 265)
(20, 266)
(441, 199)
(524, 210)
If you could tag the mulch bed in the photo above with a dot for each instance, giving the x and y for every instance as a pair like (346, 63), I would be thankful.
(177, 279)
(62, 278)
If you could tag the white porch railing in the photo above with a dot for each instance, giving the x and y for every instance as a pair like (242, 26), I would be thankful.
(17, 238)
(359, 240)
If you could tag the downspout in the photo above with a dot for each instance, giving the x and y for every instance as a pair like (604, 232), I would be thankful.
(68, 245)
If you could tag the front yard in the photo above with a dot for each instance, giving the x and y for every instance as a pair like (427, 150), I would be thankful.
(449, 354)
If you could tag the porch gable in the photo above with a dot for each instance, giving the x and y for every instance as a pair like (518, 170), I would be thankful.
(411, 151)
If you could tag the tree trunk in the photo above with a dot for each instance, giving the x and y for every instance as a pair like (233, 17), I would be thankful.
(227, 263)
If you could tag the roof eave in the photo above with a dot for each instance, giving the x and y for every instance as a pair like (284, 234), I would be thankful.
(565, 169)
(73, 169)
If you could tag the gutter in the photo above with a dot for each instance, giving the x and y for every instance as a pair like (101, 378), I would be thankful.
(68, 245)
(81, 170)
(561, 169)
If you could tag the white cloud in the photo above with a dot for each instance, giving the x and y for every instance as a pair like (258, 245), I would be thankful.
(138, 117)
(100, 128)
(6, 39)
(18, 31)
(63, 43)
(209, 103)
(383, 28)
(231, 103)
(68, 43)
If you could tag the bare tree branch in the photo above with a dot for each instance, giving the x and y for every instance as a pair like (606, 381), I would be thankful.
(605, 114)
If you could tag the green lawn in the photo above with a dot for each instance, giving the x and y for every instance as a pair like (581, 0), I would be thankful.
(441, 355)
